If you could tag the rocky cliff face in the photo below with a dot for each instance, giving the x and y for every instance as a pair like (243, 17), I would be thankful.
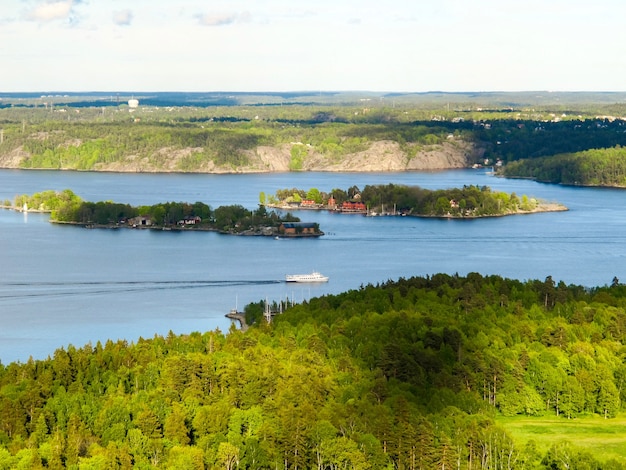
(380, 156)
(389, 156)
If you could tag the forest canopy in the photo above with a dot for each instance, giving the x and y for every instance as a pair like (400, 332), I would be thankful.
(595, 167)
(413, 373)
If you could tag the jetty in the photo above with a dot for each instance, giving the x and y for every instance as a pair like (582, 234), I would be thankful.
(238, 316)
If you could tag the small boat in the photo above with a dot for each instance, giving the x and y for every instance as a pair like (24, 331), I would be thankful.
(312, 277)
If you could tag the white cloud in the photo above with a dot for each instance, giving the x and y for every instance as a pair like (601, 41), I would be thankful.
(222, 19)
(313, 44)
(123, 17)
(51, 11)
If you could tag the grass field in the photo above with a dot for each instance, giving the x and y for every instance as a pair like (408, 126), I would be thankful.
(604, 438)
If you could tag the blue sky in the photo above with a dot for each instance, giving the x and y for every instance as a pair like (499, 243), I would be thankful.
(326, 45)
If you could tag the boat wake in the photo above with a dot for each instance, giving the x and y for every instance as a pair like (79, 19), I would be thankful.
(17, 290)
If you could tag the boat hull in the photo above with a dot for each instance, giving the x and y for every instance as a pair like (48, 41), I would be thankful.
(306, 278)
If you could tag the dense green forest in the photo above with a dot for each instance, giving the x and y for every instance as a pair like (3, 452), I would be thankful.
(596, 167)
(468, 201)
(409, 374)
(513, 140)
(69, 134)
(67, 207)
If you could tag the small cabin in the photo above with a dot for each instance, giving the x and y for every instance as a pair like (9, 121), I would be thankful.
(299, 228)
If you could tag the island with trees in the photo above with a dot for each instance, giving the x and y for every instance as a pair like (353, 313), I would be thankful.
(468, 202)
(68, 208)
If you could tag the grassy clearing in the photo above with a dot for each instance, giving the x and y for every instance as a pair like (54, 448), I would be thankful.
(604, 438)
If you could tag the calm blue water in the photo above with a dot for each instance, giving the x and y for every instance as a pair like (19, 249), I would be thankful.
(67, 285)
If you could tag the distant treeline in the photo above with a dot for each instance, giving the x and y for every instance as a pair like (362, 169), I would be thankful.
(597, 167)
(410, 374)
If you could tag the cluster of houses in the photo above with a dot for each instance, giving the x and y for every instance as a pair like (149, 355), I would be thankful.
(286, 229)
(355, 206)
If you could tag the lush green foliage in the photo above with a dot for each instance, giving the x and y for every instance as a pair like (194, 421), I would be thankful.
(597, 167)
(46, 201)
(88, 137)
(511, 140)
(83, 147)
(88, 143)
(408, 374)
(469, 201)
(554, 435)
(67, 207)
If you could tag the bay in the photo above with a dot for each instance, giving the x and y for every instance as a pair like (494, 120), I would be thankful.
(66, 285)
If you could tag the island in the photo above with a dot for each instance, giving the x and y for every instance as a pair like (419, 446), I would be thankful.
(468, 202)
(66, 207)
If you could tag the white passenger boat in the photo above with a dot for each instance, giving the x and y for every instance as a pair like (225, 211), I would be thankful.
(312, 277)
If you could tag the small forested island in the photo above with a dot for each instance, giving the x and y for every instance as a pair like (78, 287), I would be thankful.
(445, 371)
(595, 167)
(68, 208)
(465, 203)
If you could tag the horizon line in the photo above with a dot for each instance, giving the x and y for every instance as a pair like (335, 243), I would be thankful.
(309, 91)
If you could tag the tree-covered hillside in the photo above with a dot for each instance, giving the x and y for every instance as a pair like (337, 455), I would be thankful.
(511, 140)
(190, 140)
(296, 136)
(596, 167)
(407, 374)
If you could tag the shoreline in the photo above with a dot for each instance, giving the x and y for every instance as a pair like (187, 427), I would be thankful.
(571, 185)
(244, 171)
(259, 232)
(541, 208)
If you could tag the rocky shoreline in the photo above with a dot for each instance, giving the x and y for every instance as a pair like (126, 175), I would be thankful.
(256, 232)
(541, 207)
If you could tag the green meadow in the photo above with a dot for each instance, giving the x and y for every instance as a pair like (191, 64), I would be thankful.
(604, 438)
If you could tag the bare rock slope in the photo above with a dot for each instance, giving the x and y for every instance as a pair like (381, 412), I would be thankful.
(379, 156)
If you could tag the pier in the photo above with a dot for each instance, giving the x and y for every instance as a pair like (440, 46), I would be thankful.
(238, 316)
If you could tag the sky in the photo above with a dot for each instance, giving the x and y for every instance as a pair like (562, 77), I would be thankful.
(312, 45)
